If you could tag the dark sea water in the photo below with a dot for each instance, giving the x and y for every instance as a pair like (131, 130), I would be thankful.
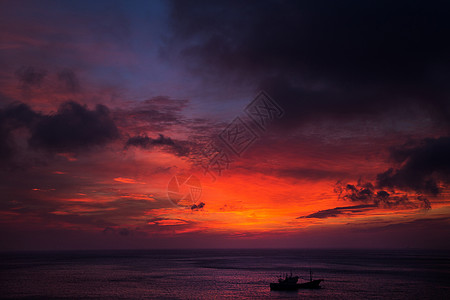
(223, 274)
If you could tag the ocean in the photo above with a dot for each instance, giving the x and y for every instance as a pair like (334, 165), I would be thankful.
(223, 274)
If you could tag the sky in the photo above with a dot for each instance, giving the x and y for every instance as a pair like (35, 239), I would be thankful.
(224, 124)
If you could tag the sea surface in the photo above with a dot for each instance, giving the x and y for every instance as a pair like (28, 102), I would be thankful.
(223, 274)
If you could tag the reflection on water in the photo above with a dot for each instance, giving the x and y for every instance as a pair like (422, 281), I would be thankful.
(226, 274)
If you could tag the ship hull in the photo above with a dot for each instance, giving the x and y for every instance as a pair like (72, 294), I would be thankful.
(315, 284)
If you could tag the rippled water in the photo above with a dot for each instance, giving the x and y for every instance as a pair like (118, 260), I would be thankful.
(224, 274)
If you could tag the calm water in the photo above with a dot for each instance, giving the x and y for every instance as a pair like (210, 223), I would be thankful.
(224, 274)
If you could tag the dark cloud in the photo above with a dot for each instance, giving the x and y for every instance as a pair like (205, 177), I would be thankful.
(12, 117)
(74, 127)
(304, 105)
(324, 58)
(145, 142)
(363, 192)
(30, 76)
(337, 211)
(198, 206)
(366, 192)
(69, 80)
(424, 167)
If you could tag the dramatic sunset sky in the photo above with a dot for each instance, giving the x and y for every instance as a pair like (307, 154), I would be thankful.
(102, 103)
